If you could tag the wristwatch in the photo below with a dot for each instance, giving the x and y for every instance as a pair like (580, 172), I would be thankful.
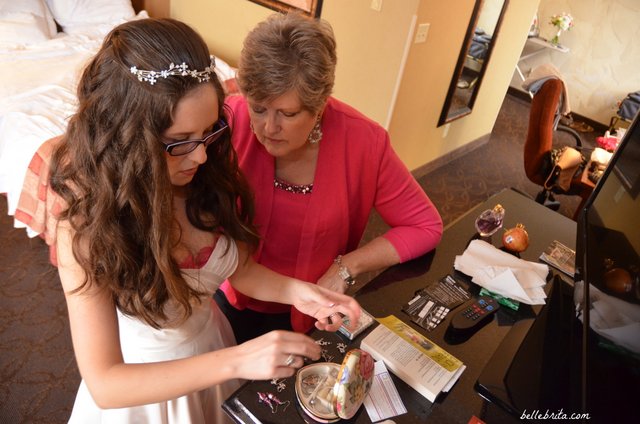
(343, 272)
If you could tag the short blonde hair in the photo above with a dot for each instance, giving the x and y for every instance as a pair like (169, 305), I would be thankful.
(289, 51)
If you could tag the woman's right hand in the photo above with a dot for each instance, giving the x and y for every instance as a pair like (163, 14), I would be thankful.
(276, 354)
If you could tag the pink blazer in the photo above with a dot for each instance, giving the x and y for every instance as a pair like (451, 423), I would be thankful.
(357, 170)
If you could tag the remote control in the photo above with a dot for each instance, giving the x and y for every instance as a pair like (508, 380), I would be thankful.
(475, 314)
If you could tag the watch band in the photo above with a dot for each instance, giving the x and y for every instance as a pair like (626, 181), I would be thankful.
(343, 272)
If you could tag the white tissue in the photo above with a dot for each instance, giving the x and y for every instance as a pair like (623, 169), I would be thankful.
(612, 318)
(503, 273)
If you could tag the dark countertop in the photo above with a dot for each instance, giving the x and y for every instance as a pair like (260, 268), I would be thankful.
(389, 291)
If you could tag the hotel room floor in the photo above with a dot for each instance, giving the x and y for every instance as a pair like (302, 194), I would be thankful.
(38, 373)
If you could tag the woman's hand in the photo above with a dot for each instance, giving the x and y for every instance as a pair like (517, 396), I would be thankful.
(326, 306)
(276, 354)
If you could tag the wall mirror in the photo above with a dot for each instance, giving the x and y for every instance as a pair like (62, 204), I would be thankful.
(474, 56)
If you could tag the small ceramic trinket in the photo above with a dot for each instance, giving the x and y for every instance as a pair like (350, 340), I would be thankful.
(490, 221)
(516, 239)
(617, 280)
(329, 392)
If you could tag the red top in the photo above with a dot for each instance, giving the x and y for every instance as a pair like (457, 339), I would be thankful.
(357, 170)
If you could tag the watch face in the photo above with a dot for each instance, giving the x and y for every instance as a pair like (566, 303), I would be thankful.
(344, 274)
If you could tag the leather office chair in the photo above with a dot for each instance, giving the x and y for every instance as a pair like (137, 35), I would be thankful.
(543, 125)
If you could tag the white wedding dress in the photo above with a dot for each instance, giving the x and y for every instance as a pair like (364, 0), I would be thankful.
(205, 330)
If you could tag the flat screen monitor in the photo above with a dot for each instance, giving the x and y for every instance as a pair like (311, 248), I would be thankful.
(608, 270)
(563, 361)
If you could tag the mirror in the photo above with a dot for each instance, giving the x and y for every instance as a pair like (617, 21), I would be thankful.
(474, 56)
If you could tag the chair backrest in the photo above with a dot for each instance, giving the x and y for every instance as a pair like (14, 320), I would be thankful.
(538, 144)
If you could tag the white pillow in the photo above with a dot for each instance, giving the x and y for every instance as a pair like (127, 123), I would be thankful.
(25, 22)
(79, 15)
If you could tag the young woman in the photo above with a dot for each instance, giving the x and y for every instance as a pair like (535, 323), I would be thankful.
(156, 215)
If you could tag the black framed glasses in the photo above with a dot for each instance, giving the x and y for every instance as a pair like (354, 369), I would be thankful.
(184, 147)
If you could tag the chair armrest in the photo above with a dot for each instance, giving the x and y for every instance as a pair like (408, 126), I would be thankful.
(573, 133)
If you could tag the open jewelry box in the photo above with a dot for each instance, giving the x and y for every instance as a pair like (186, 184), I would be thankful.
(328, 392)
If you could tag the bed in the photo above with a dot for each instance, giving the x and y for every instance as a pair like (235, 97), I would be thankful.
(44, 45)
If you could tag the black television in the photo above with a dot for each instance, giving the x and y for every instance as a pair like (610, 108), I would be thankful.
(608, 271)
(557, 365)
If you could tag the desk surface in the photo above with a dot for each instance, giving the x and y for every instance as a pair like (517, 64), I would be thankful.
(386, 294)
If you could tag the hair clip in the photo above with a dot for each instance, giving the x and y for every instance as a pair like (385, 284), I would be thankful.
(183, 70)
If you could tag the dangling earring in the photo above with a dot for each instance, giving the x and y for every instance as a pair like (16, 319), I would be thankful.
(316, 133)
(251, 126)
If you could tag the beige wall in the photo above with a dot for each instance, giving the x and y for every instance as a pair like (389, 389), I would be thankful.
(155, 8)
(372, 50)
(413, 129)
(222, 23)
(604, 58)
(370, 44)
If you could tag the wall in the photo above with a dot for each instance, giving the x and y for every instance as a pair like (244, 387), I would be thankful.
(371, 52)
(380, 71)
(602, 65)
(370, 44)
(428, 74)
(155, 8)
(222, 23)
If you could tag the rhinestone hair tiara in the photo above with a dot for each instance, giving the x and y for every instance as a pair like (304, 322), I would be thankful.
(183, 70)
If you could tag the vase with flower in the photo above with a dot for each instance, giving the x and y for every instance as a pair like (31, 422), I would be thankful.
(563, 22)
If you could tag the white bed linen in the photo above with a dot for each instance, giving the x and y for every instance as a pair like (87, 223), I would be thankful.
(38, 95)
(36, 98)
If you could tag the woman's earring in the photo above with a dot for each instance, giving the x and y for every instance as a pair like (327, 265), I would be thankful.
(251, 126)
(316, 133)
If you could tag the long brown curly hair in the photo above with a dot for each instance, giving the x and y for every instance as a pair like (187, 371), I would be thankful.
(110, 169)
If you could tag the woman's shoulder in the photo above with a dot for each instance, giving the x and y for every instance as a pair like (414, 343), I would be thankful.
(236, 105)
(352, 120)
(238, 115)
(353, 125)
(348, 112)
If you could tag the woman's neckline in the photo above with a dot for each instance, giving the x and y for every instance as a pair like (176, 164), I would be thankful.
(292, 188)
(200, 259)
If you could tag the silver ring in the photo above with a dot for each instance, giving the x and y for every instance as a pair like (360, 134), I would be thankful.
(289, 360)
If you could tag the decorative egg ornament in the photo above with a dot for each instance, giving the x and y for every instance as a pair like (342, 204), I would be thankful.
(516, 239)
(618, 280)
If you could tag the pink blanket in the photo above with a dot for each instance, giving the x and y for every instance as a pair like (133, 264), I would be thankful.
(39, 205)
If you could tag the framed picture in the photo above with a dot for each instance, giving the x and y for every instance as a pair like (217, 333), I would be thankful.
(308, 7)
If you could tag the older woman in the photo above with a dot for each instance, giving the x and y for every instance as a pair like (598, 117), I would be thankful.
(317, 167)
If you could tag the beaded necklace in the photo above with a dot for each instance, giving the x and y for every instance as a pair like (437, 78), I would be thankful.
(293, 188)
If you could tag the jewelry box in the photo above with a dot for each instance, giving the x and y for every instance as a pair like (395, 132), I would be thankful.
(328, 392)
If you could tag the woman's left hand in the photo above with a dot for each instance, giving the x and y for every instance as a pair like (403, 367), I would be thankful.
(332, 281)
(329, 308)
